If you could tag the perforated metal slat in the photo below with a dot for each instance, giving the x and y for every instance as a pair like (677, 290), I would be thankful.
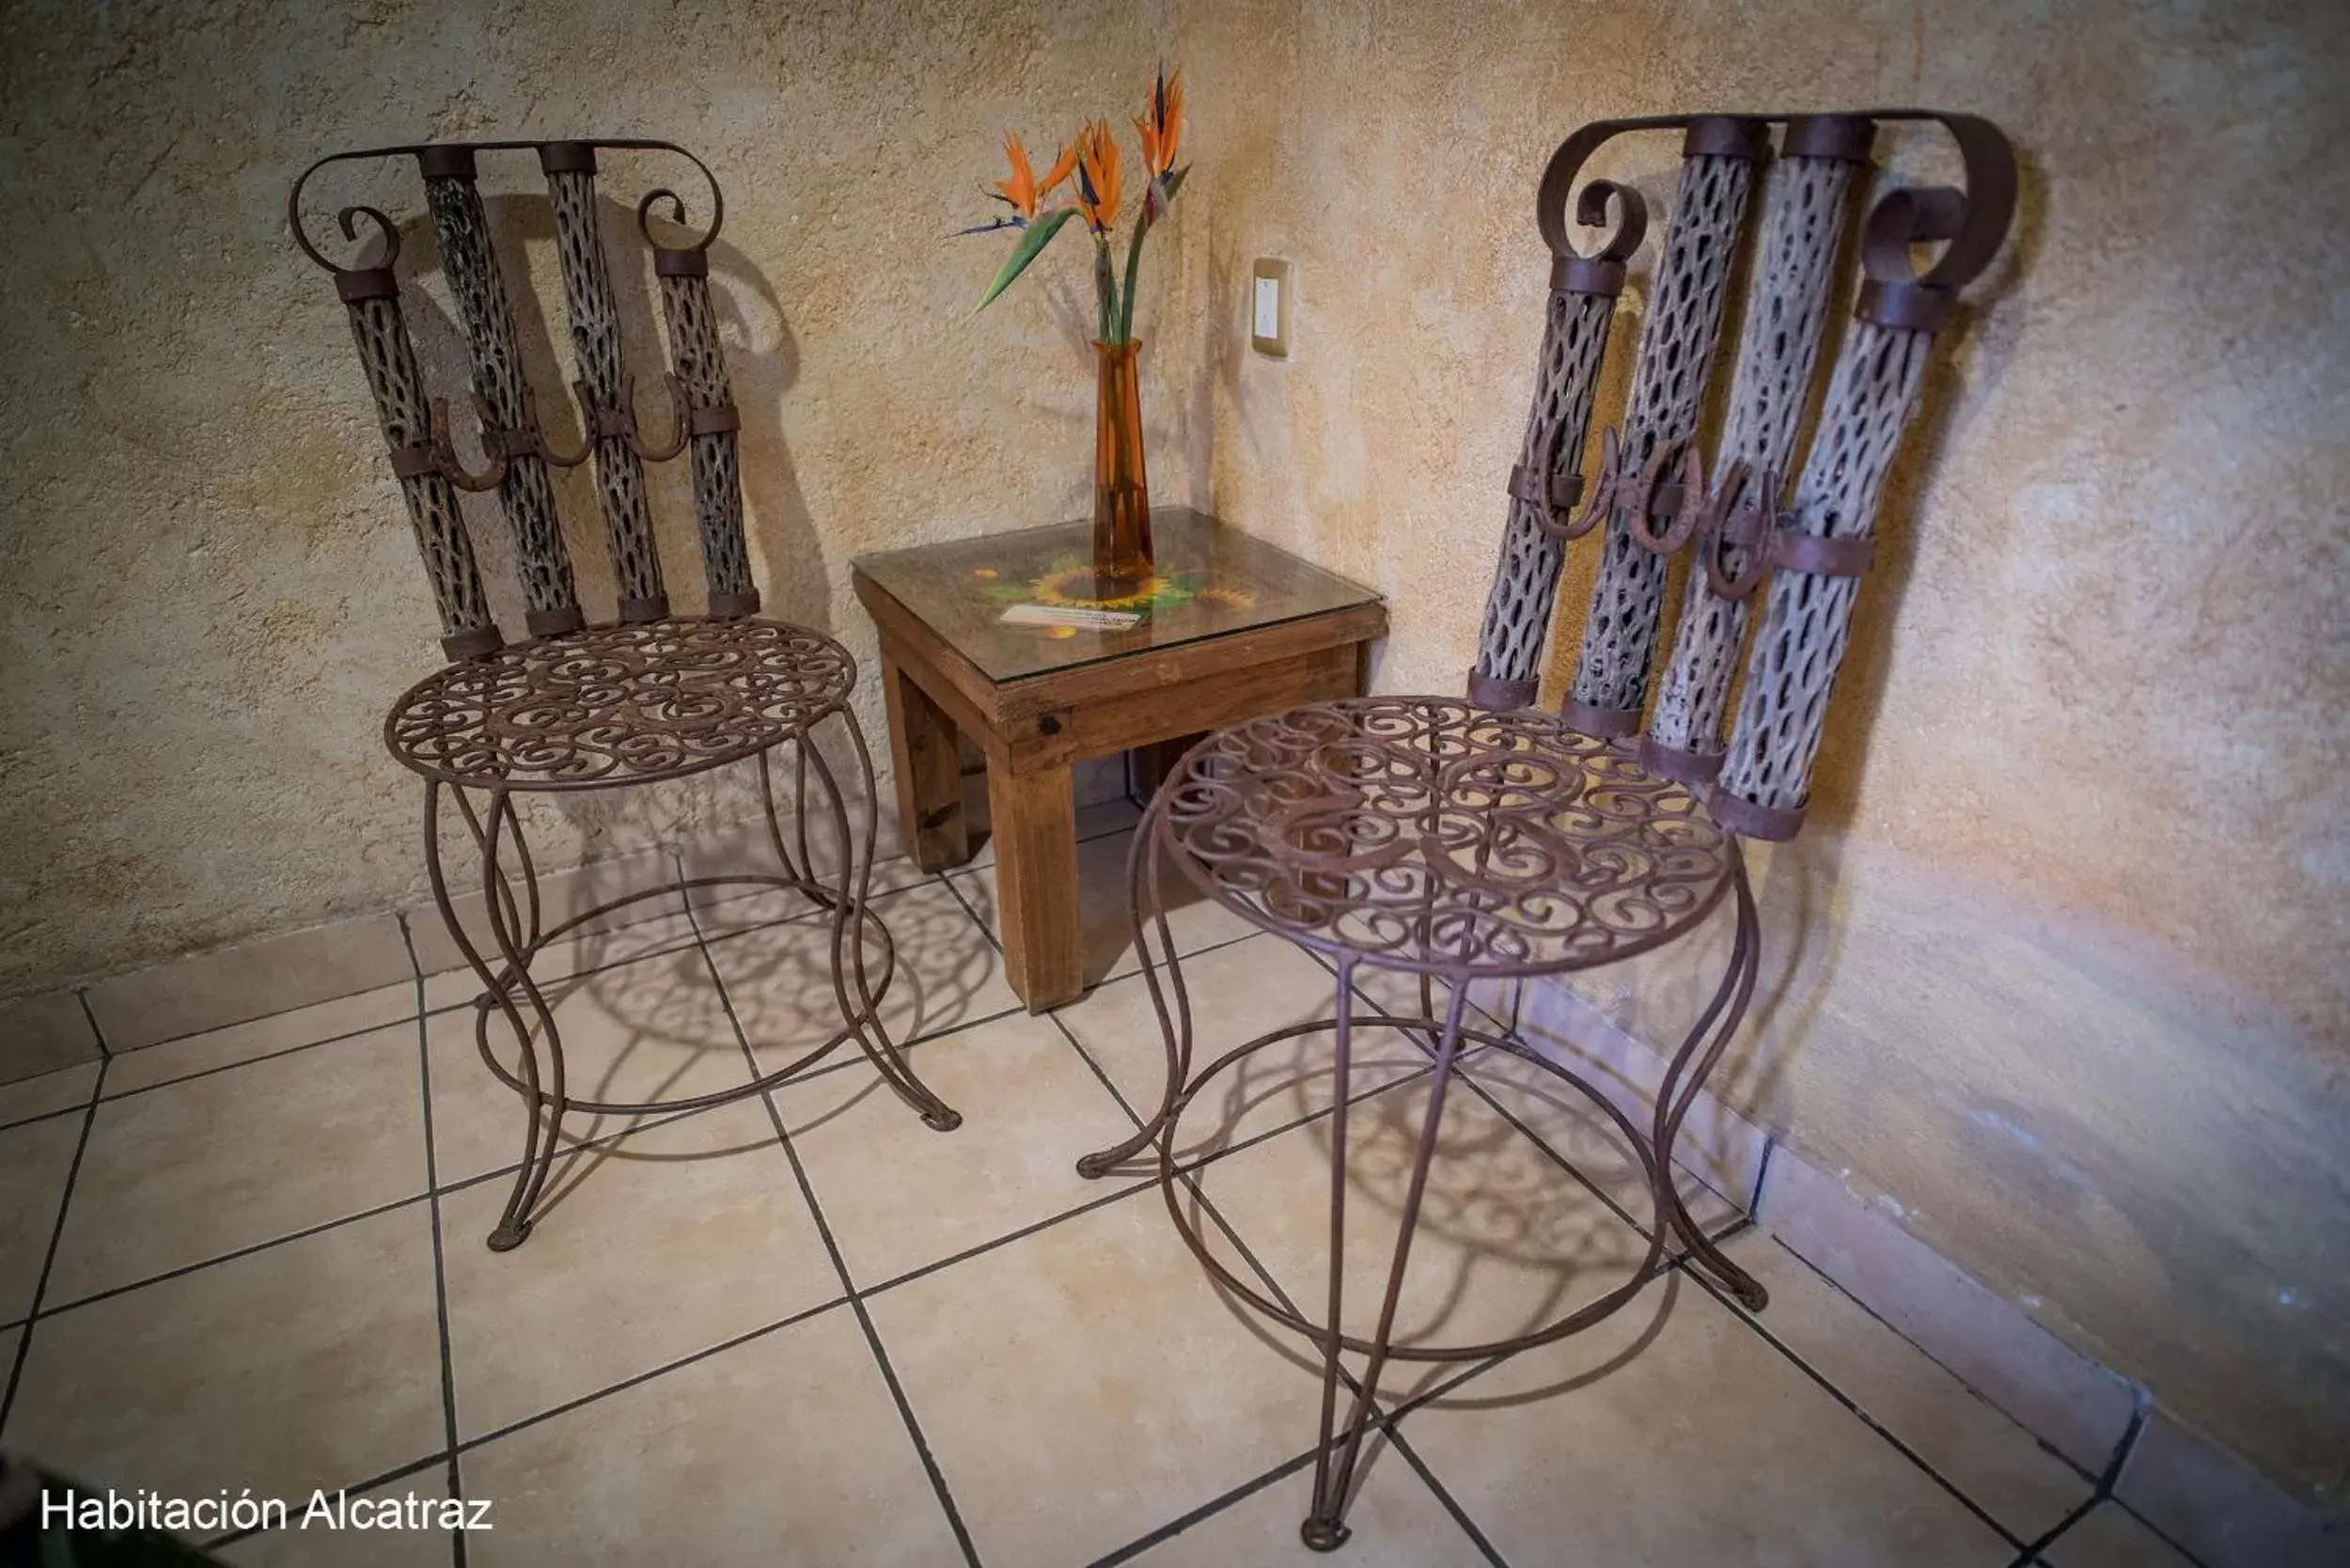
(1806, 205)
(1677, 344)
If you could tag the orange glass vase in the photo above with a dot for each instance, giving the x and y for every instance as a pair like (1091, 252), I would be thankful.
(1121, 487)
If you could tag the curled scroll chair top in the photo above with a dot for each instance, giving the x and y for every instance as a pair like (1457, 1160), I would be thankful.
(625, 704)
(1429, 835)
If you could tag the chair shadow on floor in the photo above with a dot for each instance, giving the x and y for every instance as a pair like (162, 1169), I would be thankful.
(1496, 1204)
(777, 989)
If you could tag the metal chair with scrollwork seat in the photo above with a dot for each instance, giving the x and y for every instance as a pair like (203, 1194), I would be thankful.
(651, 696)
(1476, 842)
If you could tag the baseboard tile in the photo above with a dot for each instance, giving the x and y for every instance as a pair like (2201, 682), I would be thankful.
(2217, 1507)
(44, 1033)
(250, 979)
(2069, 1401)
(2190, 1488)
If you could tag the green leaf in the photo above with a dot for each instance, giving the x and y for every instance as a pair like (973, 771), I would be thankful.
(1032, 239)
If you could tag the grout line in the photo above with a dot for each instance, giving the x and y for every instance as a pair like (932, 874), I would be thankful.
(49, 1258)
(228, 1256)
(1205, 1512)
(1451, 1504)
(1762, 1177)
(1953, 1373)
(467, 1444)
(89, 1016)
(1103, 1202)
(2103, 1492)
(440, 1242)
(75, 1110)
(266, 1056)
(841, 1267)
(398, 1472)
(1762, 1330)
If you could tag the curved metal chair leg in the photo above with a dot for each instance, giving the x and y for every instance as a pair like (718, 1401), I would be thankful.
(516, 933)
(1335, 1459)
(1142, 894)
(1678, 1092)
(850, 890)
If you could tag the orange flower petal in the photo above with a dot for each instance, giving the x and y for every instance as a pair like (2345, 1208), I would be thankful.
(1020, 190)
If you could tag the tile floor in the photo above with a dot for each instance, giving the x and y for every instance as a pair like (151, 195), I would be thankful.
(806, 1330)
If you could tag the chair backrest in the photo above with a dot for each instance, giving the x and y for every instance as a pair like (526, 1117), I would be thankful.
(518, 452)
(1651, 494)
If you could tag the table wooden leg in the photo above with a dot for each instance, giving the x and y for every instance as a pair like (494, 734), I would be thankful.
(1036, 882)
(922, 752)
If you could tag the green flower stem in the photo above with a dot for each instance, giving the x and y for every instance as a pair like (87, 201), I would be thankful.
(1105, 289)
(1133, 260)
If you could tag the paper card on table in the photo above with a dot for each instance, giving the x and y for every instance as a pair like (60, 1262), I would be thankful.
(1069, 615)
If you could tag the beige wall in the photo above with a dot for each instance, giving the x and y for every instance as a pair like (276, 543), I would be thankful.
(2057, 967)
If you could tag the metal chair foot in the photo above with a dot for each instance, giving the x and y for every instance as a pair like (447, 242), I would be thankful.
(508, 1237)
(1324, 1535)
(942, 1120)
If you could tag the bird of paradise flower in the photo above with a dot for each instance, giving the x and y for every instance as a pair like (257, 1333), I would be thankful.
(1091, 167)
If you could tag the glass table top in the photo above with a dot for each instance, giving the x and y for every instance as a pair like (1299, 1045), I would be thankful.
(1027, 603)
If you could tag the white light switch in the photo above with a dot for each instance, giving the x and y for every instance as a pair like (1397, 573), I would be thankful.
(1269, 308)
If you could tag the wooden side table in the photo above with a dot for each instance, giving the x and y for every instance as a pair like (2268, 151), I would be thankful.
(1228, 627)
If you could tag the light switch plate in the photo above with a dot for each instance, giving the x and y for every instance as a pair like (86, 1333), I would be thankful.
(1269, 307)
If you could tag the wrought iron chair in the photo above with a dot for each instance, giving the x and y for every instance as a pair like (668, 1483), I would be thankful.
(649, 697)
(1479, 841)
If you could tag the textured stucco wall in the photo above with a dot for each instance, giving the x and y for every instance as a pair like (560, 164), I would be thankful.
(2057, 966)
(209, 593)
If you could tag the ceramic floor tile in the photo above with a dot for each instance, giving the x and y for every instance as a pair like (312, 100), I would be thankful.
(2111, 1536)
(948, 974)
(1670, 1432)
(321, 1545)
(1979, 1448)
(1238, 991)
(783, 1453)
(580, 953)
(33, 1163)
(315, 1363)
(1085, 1384)
(198, 1053)
(722, 912)
(652, 1029)
(1397, 1522)
(666, 1242)
(1573, 1127)
(1507, 1243)
(1192, 920)
(50, 1093)
(191, 1170)
(1027, 1101)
